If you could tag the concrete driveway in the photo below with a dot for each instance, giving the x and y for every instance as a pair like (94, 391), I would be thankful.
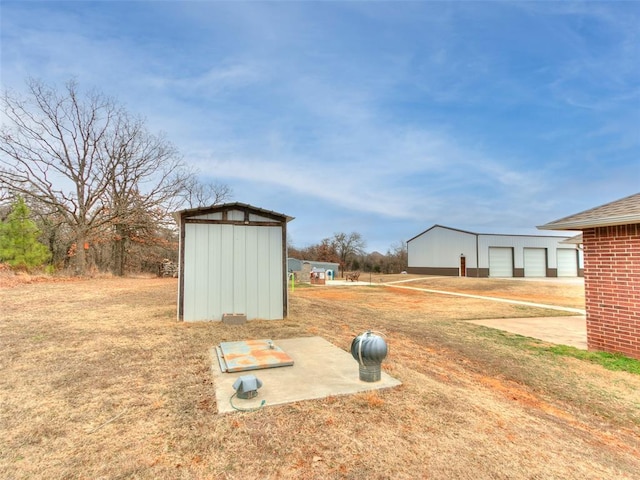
(570, 331)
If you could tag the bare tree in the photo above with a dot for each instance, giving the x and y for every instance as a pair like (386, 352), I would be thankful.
(397, 258)
(86, 159)
(347, 247)
(146, 178)
(199, 194)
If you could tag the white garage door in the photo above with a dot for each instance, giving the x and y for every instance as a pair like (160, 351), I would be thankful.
(535, 262)
(567, 262)
(500, 262)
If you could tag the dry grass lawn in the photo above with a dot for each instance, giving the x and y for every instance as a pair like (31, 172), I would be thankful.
(98, 380)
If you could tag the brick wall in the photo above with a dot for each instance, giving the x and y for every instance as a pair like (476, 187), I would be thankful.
(612, 288)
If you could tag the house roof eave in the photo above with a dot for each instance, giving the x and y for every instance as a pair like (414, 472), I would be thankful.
(582, 224)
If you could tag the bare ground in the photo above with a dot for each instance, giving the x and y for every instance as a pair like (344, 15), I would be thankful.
(99, 381)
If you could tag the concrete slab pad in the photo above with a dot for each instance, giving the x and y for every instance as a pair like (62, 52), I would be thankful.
(570, 331)
(320, 370)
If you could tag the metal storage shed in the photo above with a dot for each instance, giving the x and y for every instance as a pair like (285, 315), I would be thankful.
(232, 261)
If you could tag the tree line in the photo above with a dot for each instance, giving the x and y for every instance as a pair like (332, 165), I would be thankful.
(348, 250)
(85, 186)
(99, 185)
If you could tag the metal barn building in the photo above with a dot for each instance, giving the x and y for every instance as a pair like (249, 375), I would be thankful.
(448, 251)
(232, 261)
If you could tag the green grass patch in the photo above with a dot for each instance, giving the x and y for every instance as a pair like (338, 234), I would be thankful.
(299, 285)
(610, 361)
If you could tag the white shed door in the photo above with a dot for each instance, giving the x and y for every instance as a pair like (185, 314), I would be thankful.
(232, 269)
(567, 262)
(500, 262)
(535, 262)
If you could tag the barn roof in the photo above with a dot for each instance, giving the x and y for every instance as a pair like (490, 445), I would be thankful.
(620, 212)
(467, 232)
(441, 226)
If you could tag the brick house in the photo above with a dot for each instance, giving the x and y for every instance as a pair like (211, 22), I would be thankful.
(611, 242)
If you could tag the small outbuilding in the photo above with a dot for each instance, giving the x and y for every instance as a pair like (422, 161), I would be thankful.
(611, 242)
(442, 250)
(232, 261)
(303, 268)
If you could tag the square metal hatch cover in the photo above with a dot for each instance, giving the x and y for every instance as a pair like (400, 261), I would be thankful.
(251, 355)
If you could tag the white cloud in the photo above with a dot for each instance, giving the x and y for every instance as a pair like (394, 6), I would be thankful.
(426, 113)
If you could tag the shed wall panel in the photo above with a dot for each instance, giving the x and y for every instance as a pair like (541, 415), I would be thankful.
(191, 286)
(235, 215)
(224, 277)
(253, 217)
(240, 274)
(252, 281)
(208, 216)
(275, 272)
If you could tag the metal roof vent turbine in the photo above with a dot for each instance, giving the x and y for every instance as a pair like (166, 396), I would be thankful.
(369, 350)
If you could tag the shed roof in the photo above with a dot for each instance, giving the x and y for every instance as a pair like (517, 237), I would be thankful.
(190, 212)
(619, 212)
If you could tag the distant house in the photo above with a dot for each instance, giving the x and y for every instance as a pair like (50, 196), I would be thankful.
(232, 261)
(611, 242)
(303, 268)
(442, 250)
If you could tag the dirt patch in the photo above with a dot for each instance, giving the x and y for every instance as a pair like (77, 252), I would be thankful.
(100, 381)
(10, 278)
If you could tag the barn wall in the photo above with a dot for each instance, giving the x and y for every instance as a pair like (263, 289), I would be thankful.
(447, 272)
(612, 287)
(519, 243)
(439, 249)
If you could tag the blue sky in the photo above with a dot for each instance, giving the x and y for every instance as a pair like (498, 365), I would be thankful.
(382, 118)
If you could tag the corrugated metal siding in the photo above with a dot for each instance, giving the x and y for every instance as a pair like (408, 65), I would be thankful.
(259, 218)
(518, 243)
(208, 216)
(235, 215)
(441, 248)
(232, 269)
